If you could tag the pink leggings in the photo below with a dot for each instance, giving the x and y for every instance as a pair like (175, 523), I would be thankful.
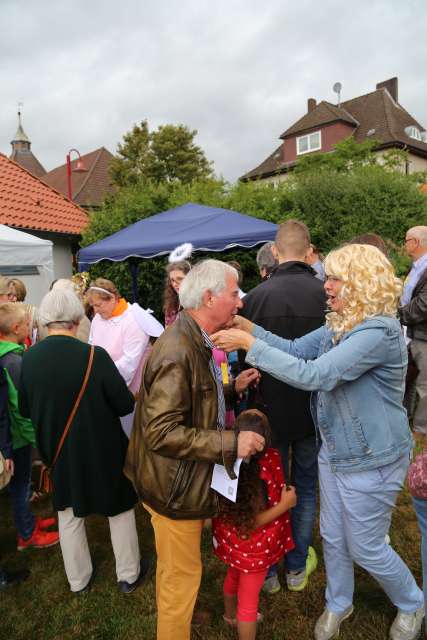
(247, 587)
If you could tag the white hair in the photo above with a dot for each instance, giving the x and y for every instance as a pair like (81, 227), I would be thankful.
(420, 233)
(64, 283)
(264, 257)
(61, 306)
(209, 275)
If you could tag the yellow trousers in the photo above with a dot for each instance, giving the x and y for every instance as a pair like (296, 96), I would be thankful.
(179, 570)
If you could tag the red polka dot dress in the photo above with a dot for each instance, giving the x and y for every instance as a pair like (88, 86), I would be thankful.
(266, 545)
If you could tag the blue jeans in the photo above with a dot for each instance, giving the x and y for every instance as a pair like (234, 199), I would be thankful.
(421, 511)
(355, 514)
(303, 476)
(25, 521)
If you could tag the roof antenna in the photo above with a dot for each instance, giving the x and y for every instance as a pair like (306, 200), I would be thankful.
(337, 88)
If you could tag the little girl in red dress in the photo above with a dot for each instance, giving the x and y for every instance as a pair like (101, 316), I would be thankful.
(253, 533)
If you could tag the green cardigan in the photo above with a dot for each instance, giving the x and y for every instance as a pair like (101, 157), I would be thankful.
(88, 475)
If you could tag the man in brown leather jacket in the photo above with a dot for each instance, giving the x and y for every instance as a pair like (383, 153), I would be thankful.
(178, 435)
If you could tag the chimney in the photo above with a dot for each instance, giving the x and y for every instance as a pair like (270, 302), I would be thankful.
(311, 104)
(391, 86)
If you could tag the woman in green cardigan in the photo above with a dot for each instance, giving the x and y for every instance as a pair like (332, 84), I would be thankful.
(87, 477)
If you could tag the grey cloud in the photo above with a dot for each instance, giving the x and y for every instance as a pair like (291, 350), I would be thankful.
(237, 71)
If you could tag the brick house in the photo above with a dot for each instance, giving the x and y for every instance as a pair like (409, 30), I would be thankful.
(89, 188)
(376, 115)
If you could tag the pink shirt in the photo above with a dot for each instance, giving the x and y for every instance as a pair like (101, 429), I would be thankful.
(125, 342)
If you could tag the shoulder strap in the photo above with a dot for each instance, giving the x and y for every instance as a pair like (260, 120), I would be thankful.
(75, 407)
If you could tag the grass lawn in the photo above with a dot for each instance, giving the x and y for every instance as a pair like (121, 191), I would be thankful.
(43, 608)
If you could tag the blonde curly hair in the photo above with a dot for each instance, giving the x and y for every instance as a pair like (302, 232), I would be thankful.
(370, 286)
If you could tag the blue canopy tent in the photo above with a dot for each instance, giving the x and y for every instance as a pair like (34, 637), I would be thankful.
(207, 228)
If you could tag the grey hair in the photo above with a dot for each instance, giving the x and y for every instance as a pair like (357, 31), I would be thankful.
(420, 233)
(208, 275)
(61, 306)
(265, 259)
(64, 283)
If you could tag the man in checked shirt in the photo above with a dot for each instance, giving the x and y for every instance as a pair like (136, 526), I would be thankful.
(179, 434)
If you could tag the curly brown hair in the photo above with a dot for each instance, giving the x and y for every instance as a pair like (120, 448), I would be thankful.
(170, 296)
(251, 496)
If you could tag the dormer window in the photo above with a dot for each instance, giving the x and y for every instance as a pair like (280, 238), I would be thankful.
(413, 132)
(310, 142)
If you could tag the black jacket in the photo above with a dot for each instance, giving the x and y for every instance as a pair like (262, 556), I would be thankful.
(414, 314)
(290, 303)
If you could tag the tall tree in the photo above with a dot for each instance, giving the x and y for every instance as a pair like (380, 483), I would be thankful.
(168, 154)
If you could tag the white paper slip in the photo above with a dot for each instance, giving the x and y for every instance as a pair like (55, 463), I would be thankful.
(222, 482)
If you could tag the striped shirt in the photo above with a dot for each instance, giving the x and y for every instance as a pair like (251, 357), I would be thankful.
(215, 371)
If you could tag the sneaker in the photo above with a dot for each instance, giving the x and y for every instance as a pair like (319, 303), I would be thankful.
(45, 523)
(298, 581)
(328, 625)
(407, 626)
(39, 540)
(271, 585)
(9, 578)
(145, 570)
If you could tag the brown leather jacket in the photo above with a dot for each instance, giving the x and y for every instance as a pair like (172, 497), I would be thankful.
(175, 440)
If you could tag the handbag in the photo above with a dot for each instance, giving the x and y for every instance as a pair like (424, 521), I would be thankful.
(46, 482)
(417, 476)
(5, 475)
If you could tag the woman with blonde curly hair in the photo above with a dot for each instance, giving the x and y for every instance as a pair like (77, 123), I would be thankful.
(356, 366)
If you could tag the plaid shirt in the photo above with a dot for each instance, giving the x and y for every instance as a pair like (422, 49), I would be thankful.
(216, 372)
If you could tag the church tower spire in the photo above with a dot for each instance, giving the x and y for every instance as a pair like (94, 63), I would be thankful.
(21, 150)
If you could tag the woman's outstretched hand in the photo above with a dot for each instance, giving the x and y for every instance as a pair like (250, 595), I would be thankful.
(232, 339)
(239, 322)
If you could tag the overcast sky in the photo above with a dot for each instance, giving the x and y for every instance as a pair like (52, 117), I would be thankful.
(238, 71)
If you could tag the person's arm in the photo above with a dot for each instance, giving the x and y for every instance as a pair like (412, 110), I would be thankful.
(346, 361)
(135, 341)
(288, 500)
(116, 393)
(416, 310)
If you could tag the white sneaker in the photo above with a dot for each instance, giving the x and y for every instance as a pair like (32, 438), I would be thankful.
(407, 626)
(328, 625)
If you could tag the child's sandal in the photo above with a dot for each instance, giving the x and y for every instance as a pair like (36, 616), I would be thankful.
(232, 622)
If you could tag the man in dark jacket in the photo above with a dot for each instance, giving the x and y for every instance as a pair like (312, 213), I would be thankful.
(290, 304)
(413, 314)
(178, 435)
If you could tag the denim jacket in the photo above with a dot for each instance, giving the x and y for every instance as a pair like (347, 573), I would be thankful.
(360, 383)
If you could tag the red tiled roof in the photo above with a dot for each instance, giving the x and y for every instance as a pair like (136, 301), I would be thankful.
(89, 189)
(27, 203)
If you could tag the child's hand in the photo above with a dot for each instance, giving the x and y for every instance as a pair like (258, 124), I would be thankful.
(289, 497)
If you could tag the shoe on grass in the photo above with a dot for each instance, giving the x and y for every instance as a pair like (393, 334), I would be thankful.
(146, 567)
(407, 626)
(297, 581)
(45, 523)
(271, 585)
(38, 540)
(328, 625)
(10, 578)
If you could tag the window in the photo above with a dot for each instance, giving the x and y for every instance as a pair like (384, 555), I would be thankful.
(310, 142)
(19, 270)
(413, 132)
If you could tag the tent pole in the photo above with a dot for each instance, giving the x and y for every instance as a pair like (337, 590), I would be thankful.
(134, 276)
